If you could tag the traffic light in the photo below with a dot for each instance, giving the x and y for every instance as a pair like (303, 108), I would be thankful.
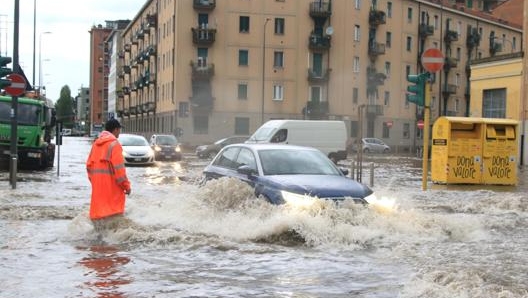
(416, 92)
(5, 71)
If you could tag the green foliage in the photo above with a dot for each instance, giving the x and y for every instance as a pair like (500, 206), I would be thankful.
(64, 107)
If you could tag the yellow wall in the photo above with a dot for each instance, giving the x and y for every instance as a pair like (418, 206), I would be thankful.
(506, 73)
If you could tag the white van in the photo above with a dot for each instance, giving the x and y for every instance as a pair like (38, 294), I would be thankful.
(327, 136)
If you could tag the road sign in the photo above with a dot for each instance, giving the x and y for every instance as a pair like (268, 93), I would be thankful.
(389, 123)
(420, 124)
(18, 85)
(432, 60)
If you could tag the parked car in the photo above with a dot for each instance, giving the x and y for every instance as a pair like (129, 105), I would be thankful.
(166, 147)
(372, 145)
(287, 173)
(210, 150)
(136, 149)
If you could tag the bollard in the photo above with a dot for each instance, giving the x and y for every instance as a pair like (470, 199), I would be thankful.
(352, 169)
(13, 167)
(371, 174)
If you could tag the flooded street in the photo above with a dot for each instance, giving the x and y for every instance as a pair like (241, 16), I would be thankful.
(182, 240)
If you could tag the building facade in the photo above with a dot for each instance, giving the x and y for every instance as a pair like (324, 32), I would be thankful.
(220, 68)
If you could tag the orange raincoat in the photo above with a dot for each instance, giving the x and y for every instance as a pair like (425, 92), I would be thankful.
(107, 174)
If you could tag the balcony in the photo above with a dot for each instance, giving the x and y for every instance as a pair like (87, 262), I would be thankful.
(450, 36)
(127, 47)
(449, 89)
(121, 55)
(151, 50)
(473, 39)
(126, 112)
(152, 20)
(202, 71)
(320, 9)
(317, 109)
(204, 5)
(495, 47)
(374, 110)
(202, 102)
(203, 36)
(133, 110)
(126, 90)
(375, 49)
(140, 33)
(450, 62)
(426, 30)
(318, 76)
(376, 17)
(319, 42)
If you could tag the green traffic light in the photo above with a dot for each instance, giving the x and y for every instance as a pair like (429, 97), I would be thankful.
(416, 92)
(5, 71)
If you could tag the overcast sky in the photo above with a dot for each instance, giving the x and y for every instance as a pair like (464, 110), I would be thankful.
(65, 52)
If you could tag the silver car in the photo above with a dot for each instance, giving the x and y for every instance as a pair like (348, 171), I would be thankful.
(372, 145)
(136, 150)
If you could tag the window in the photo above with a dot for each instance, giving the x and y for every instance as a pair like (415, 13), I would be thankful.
(436, 21)
(278, 59)
(201, 125)
(388, 37)
(243, 57)
(408, 45)
(356, 33)
(315, 92)
(386, 131)
(387, 69)
(241, 125)
(386, 98)
(355, 95)
(278, 92)
(458, 53)
(494, 103)
(409, 14)
(514, 44)
(242, 91)
(354, 129)
(457, 79)
(279, 26)
(389, 9)
(406, 130)
(356, 64)
(183, 110)
(357, 4)
(243, 24)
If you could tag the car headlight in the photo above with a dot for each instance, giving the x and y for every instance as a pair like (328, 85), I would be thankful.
(157, 148)
(297, 200)
(371, 198)
(177, 149)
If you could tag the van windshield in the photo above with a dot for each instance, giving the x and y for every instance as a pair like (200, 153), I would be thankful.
(262, 134)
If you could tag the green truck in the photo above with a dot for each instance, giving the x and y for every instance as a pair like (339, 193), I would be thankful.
(36, 121)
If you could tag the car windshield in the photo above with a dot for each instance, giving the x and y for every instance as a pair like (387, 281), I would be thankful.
(166, 140)
(133, 141)
(296, 162)
(262, 134)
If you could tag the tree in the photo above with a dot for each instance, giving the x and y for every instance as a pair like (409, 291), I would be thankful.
(64, 107)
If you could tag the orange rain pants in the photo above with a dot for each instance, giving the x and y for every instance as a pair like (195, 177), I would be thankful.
(107, 174)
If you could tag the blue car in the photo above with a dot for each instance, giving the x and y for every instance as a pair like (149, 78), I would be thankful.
(286, 174)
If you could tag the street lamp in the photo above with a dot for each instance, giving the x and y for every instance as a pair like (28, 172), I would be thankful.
(40, 60)
(263, 69)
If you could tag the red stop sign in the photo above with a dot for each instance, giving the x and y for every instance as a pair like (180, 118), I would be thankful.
(420, 124)
(18, 85)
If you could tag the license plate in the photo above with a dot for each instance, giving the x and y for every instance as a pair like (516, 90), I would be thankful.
(137, 159)
(7, 152)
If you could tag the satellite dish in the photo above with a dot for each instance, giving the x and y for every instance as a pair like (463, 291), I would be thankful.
(329, 30)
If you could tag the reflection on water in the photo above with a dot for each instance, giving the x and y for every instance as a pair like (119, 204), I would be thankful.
(104, 264)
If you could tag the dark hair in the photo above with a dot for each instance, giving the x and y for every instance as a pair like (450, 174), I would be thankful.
(112, 124)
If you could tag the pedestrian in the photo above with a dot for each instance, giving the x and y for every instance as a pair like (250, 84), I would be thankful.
(107, 174)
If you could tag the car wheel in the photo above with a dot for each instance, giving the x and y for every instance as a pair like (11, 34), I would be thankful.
(366, 150)
(386, 150)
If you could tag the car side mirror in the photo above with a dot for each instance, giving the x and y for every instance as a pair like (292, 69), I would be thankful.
(246, 170)
(344, 171)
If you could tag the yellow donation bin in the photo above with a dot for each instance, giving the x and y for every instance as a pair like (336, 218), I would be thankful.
(456, 153)
(500, 152)
(469, 150)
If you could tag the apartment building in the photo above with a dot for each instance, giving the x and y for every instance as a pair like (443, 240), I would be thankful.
(220, 68)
